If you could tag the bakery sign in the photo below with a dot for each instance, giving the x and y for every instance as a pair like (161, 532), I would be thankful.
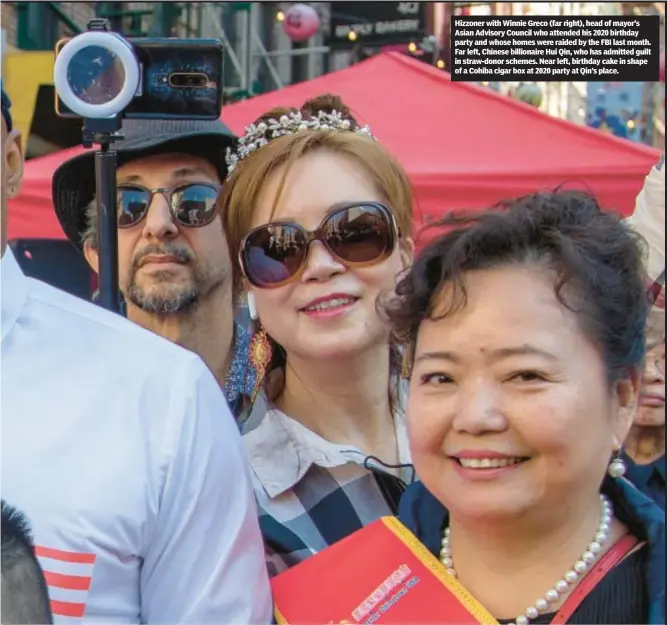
(376, 23)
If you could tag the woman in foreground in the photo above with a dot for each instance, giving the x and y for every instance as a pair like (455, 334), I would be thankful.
(528, 333)
(319, 214)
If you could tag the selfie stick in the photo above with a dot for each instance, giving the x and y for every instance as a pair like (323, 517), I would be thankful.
(104, 132)
(102, 123)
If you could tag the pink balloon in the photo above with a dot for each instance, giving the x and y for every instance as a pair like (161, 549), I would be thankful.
(301, 22)
(662, 66)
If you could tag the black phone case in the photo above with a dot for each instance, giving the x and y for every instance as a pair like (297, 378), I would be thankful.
(158, 99)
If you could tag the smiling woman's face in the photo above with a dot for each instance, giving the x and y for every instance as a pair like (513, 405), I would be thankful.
(510, 409)
(317, 183)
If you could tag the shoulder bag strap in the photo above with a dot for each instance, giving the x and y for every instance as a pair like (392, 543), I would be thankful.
(621, 548)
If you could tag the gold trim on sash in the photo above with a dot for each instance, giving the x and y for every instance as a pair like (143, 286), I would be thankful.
(435, 566)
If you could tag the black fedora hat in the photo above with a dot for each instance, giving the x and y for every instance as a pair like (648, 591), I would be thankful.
(73, 184)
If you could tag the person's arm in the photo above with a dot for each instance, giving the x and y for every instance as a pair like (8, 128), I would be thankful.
(205, 562)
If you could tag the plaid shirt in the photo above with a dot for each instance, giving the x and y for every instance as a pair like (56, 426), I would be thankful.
(311, 492)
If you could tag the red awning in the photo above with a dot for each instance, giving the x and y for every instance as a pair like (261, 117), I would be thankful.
(31, 214)
(463, 146)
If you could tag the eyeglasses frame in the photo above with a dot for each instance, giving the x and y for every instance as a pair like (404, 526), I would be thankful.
(168, 194)
(316, 235)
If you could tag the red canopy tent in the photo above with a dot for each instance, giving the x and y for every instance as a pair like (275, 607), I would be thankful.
(31, 214)
(463, 146)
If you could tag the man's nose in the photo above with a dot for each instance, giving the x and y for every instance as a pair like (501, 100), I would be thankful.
(160, 222)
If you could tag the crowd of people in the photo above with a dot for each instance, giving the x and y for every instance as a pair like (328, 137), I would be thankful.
(501, 392)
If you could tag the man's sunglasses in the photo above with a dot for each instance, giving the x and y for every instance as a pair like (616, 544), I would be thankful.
(192, 205)
(357, 235)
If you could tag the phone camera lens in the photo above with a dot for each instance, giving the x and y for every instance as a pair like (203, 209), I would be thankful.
(193, 80)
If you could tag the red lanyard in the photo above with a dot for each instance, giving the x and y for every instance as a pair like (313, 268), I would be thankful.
(621, 548)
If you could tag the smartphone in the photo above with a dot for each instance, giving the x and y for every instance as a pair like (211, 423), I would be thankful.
(180, 79)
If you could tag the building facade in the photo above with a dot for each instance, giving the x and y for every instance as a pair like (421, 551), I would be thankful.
(259, 55)
(30, 31)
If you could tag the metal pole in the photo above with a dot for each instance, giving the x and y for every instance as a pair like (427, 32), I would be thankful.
(228, 35)
(246, 76)
(107, 231)
(298, 71)
(269, 65)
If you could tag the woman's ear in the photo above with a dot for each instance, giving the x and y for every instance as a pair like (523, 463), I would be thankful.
(626, 392)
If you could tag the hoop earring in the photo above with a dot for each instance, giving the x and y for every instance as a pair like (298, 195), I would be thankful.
(616, 466)
(260, 353)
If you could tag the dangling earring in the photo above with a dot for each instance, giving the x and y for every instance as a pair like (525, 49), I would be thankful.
(616, 466)
(260, 353)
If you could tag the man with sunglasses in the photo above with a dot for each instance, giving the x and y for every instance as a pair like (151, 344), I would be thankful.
(174, 263)
(120, 449)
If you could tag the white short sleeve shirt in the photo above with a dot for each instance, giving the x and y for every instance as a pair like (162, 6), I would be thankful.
(121, 451)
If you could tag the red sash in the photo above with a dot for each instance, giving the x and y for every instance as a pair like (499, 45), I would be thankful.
(380, 574)
(383, 573)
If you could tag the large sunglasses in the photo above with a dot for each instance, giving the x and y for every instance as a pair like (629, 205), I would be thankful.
(192, 205)
(357, 235)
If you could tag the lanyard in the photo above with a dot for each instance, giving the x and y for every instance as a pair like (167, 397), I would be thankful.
(621, 548)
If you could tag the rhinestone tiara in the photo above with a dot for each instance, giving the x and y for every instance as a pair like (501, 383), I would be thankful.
(258, 135)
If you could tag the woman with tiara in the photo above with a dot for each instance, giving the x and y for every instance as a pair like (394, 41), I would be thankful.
(319, 214)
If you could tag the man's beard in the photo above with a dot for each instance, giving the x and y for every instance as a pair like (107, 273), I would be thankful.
(163, 298)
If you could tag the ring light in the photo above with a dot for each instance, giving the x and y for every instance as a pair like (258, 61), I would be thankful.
(125, 55)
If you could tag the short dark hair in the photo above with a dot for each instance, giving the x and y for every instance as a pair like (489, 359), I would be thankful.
(25, 597)
(598, 262)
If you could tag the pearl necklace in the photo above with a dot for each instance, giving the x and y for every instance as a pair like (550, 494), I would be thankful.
(568, 581)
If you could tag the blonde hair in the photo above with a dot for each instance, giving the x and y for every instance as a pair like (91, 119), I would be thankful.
(242, 188)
